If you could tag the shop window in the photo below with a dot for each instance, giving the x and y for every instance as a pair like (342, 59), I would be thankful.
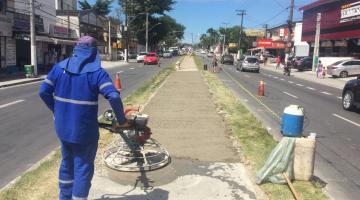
(2, 6)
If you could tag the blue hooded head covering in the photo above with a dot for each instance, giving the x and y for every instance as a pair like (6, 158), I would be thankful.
(85, 58)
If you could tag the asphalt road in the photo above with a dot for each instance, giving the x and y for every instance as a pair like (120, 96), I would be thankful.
(338, 142)
(27, 133)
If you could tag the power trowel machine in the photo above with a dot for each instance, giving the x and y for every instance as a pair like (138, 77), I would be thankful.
(133, 149)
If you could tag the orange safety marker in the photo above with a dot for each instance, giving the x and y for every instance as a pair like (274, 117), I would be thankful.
(261, 90)
(118, 82)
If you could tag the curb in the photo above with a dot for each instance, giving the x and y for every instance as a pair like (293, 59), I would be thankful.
(21, 82)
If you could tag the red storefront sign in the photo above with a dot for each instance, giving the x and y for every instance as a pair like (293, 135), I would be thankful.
(339, 20)
(269, 44)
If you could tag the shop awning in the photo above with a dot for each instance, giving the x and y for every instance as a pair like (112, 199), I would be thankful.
(43, 39)
(63, 41)
(317, 4)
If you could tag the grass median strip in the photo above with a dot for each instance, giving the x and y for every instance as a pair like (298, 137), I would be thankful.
(255, 142)
(41, 182)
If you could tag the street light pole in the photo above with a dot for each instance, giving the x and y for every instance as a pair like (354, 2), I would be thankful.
(224, 37)
(33, 37)
(147, 32)
(241, 13)
(110, 49)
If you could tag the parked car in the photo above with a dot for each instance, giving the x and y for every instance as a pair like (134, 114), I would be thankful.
(305, 64)
(210, 54)
(203, 52)
(151, 58)
(120, 55)
(167, 54)
(351, 94)
(160, 53)
(229, 59)
(132, 55)
(140, 57)
(250, 63)
(344, 68)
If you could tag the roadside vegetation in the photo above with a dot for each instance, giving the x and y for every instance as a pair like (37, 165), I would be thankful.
(254, 140)
(41, 182)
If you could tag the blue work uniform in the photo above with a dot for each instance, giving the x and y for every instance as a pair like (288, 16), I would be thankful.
(71, 92)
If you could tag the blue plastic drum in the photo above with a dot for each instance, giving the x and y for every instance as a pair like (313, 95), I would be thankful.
(292, 121)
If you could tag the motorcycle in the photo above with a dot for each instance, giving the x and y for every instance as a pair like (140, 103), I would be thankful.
(287, 70)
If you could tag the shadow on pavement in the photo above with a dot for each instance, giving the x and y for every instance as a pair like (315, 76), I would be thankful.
(156, 194)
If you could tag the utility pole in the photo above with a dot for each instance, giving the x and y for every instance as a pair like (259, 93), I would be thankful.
(289, 44)
(266, 28)
(110, 49)
(147, 32)
(317, 43)
(223, 51)
(33, 37)
(241, 13)
(126, 34)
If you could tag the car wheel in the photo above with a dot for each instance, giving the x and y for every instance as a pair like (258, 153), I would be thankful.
(242, 69)
(344, 74)
(348, 100)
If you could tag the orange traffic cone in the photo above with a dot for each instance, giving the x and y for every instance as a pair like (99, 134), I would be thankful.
(261, 90)
(118, 82)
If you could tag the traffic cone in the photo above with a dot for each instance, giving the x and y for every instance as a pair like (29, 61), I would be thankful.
(118, 82)
(261, 90)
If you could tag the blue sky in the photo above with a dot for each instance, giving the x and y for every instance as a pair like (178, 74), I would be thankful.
(199, 15)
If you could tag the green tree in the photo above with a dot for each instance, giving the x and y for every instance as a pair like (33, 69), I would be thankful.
(101, 7)
(168, 31)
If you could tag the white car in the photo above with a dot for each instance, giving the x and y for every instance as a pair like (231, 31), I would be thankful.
(210, 54)
(140, 57)
(167, 54)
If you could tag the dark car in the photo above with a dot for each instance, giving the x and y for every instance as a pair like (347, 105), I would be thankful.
(227, 59)
(351, 94)
(305, 64)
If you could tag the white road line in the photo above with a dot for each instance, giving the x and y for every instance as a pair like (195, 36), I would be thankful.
(247, 76)
(339, 97)
(11, 103)
(291, 95)
(310, 88)
(132, 68)
(120, 72)
(276, 77)
(282, 79)
(326, 93)
(290, 82)
(270, 75)
(299, 85)
(343, 118)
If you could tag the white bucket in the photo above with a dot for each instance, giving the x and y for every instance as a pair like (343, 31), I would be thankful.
(304, 158)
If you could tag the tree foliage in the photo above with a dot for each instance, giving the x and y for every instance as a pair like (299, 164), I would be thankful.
(213, 37)
(101, 7)
(162, 28)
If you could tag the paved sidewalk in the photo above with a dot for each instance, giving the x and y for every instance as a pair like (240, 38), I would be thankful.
(311, 76)
(204, 164)
(105, 64)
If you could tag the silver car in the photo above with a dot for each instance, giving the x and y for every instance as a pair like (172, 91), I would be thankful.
(344, 68)
(250, 63)
(167, 54)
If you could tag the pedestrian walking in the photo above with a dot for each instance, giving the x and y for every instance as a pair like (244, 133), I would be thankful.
(319, 69)
(214, 63)
(278, 61)
(71, 92)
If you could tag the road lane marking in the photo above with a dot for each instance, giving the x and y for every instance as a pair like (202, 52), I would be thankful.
(276, 77)
(348, 120)
(132, 68)
(270, 75)
(253, 96)
(247, 76)
(326, 93)
(310, 88)
(291, 95)
(120, 72)
(339, 97)
(11, 103)
(290, 82)
(282, 79)
(299, 85)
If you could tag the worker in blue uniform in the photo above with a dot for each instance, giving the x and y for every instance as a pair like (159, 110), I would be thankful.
(71, 92)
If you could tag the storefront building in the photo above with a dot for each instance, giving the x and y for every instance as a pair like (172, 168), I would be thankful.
(7, 54)
(340, 27)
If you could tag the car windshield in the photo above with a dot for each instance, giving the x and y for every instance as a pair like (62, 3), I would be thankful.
(167, 52)
(142, 53)
(151, 55)
(228, 56)
(252, 60)
(339, 62)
